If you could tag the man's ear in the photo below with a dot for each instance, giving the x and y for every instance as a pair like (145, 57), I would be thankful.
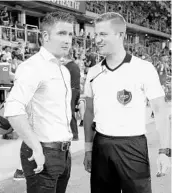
(122, 34)
(45, 36)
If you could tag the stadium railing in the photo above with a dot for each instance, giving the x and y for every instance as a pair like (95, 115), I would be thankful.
(13, 34)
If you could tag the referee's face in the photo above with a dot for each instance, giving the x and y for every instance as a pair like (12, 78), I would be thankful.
(107, 40)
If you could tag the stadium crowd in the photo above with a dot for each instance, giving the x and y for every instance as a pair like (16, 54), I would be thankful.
(15, 55)
(13, 30)
(151, 14)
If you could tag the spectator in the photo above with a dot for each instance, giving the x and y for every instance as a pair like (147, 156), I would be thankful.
(75, 85)
(3, 58)
(1, 50)
(18, 53)
(81, 32)
(7, 53)
(14, 63)
(21, 48)
(79, 61)
(19, 30)
(4, 17)
(27, 51)
(90, 59)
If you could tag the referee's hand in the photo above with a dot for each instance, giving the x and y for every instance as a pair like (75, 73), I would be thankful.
(88, 161)
(163, 164)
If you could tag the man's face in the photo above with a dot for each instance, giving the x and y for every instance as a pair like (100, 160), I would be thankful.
(20, 45)
(59, 39)
(165, 59)
(18, 51)
(107, 40)
(4, 59)
(7, 49)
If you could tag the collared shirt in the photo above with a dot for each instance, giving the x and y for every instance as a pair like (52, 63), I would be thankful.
(42, 91)
(119, 95)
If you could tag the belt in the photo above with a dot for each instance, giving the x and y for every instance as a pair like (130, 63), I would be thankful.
(75, 89)
(63, 146)
(120, 137)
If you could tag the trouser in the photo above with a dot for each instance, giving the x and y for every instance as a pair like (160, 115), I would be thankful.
(54, 178)
(74, 102)
(120, 164)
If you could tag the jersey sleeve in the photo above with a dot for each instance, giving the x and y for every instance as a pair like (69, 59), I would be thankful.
(88, 92)
(151, 82)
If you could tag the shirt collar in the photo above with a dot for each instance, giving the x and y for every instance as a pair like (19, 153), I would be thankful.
(127, 59)
(46, 54)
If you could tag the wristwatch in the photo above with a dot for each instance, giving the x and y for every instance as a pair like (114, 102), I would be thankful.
(166, 151)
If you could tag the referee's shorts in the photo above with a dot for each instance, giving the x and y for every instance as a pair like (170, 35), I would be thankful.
(120, 163)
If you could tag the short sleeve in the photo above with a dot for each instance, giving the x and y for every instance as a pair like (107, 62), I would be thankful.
(151, 81)
(25, 84)
(87, 87)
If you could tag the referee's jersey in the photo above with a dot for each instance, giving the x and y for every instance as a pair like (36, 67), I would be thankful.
(119, 95)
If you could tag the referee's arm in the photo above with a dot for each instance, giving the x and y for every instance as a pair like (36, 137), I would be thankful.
(89, 113)
(88, 120)
(156, 96)
(160, 109)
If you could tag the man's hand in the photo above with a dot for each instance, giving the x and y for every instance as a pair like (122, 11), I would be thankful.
(39, 159)
(163, 164)
(88, 161)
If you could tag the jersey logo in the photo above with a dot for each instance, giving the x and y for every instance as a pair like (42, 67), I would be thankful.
(124, 97)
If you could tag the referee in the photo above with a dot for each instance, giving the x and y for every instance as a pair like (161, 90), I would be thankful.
(117, 88)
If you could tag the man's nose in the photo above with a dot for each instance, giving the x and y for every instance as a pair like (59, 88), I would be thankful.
(68, 39)
(98, 39)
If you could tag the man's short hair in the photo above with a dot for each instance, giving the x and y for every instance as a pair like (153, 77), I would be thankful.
(116, 19)
(52, 18)
(7, 47)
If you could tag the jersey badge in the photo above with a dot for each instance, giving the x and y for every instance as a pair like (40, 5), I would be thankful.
(124, 97)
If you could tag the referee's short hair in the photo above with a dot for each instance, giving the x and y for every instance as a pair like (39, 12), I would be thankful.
(116, 19)
(51, 19)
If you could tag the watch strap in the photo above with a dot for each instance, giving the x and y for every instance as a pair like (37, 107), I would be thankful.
(166, 151)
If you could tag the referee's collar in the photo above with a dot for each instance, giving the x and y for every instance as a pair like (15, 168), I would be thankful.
(127, 59)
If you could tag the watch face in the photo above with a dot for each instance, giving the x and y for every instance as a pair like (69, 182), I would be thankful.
(169, 152)
(166, 151)
(160, 174)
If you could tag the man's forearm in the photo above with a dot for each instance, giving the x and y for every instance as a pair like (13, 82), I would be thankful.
(21, 125)
(163, 127)
(88, 120)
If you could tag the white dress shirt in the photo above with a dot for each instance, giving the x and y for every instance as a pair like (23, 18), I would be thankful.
(42, 91)
(119, 96)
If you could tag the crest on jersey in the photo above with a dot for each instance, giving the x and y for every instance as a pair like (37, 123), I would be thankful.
(124, 97)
